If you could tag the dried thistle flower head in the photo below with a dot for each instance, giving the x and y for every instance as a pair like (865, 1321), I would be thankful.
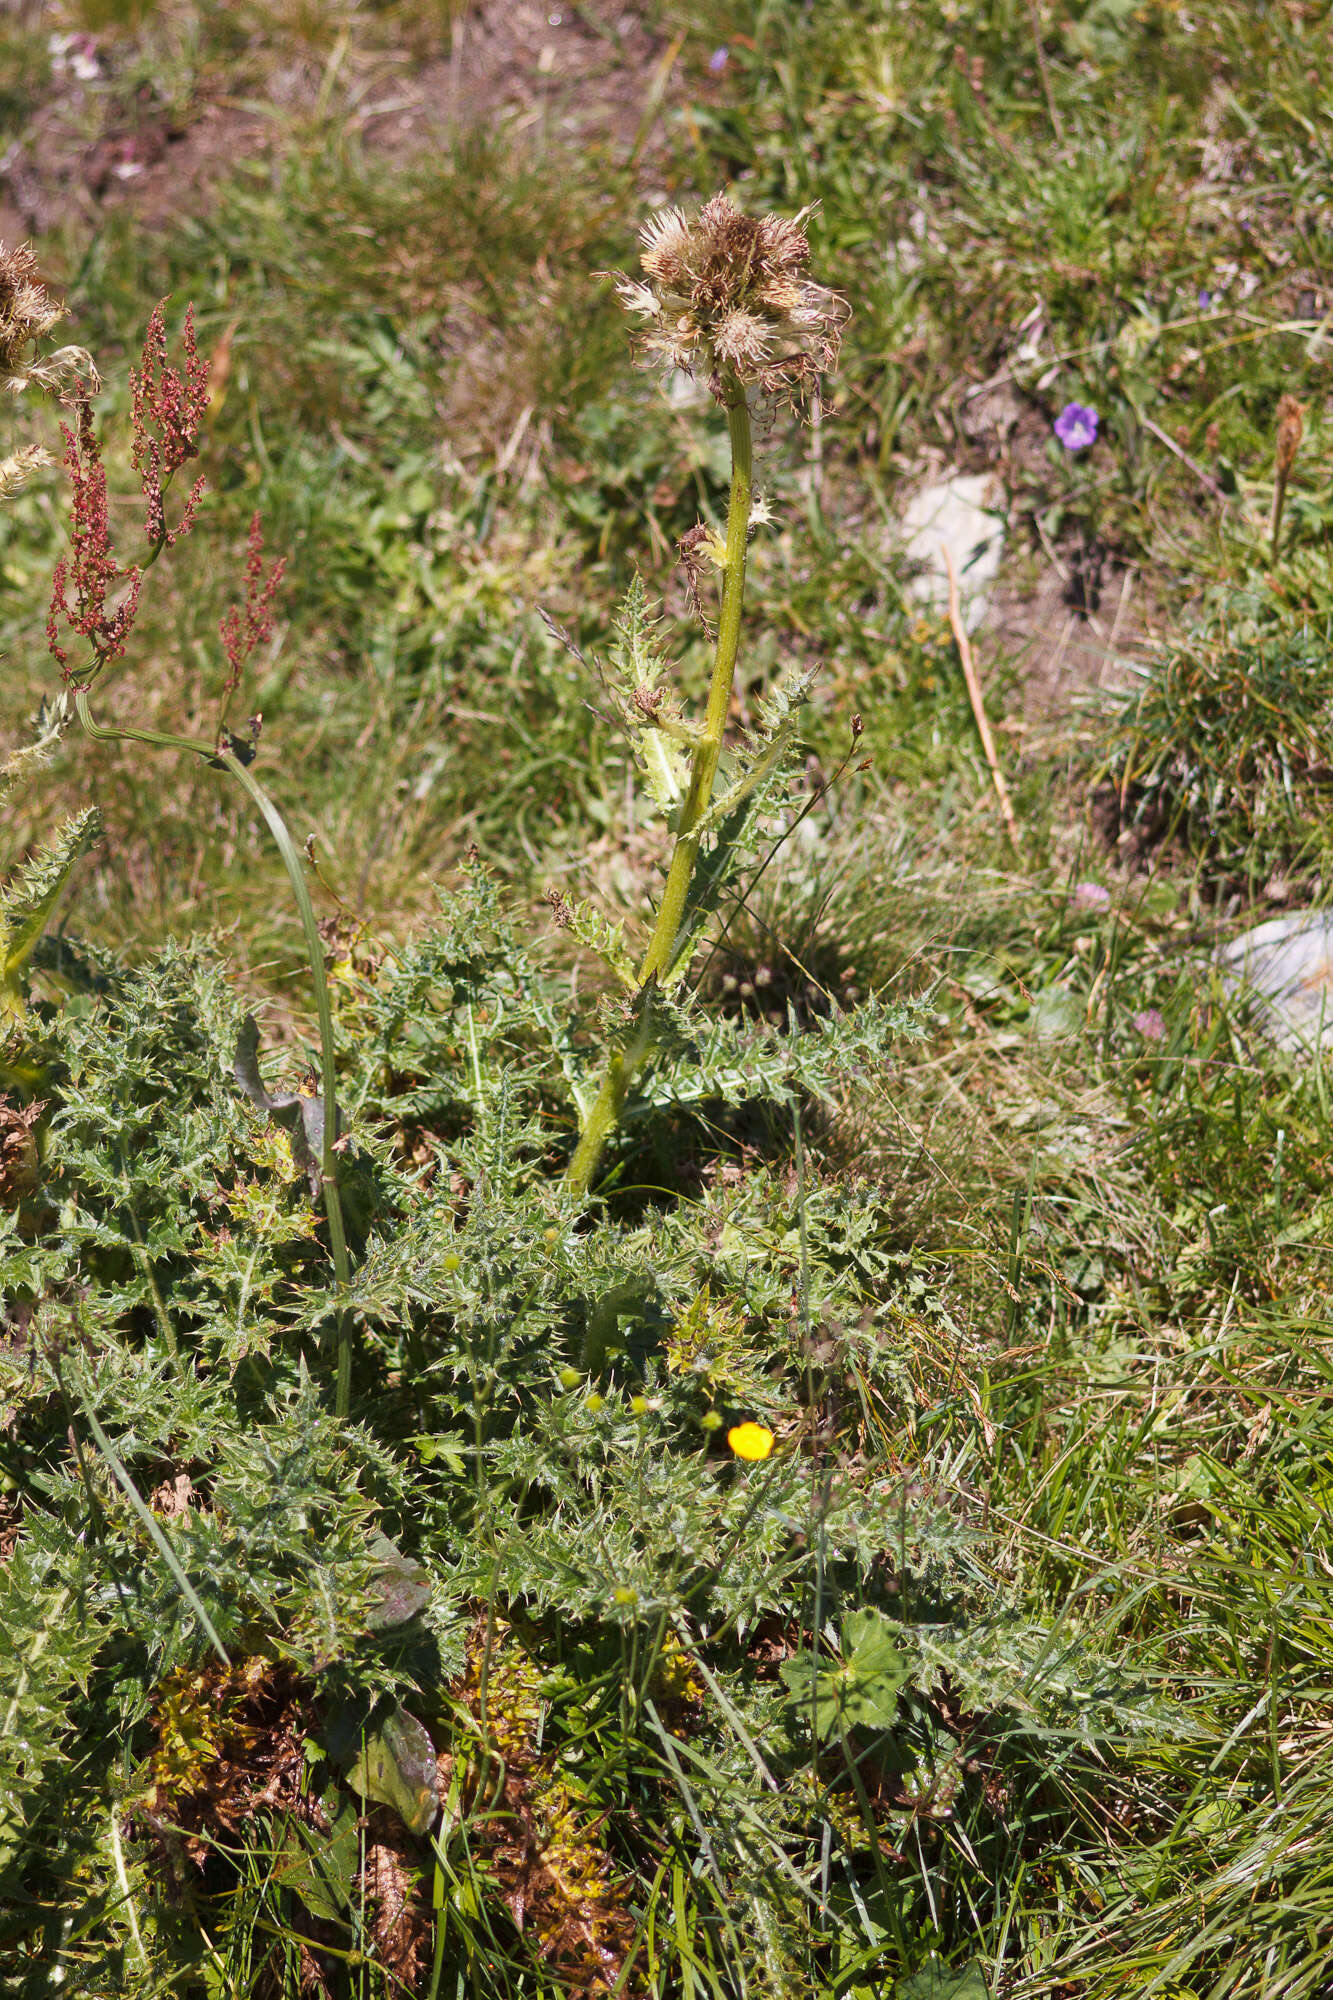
(727, 295)
(27, 315)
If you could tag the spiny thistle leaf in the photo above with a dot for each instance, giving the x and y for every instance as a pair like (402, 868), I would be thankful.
(636, 652)
(597, 934)
(27, 903)
(635, 680)
(700, 1058)
(758, 770)
(47, 1645)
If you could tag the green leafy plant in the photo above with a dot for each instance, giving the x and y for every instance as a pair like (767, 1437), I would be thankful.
(861, 1689)
(536, 1683)
(96, 600)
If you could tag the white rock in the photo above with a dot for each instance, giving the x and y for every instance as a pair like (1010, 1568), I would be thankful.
(1288, 965)
(961, 512)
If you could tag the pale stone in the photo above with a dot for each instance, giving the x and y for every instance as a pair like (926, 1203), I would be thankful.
(962, 513)
(1287, 964)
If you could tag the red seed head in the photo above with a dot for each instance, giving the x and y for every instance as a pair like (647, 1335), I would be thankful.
(247, 625)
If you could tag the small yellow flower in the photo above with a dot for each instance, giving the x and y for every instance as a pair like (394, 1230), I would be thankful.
(750, 1440)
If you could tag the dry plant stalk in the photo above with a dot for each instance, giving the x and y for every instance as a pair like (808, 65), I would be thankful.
(1052, 110)
(978, 705)
(1290, 431)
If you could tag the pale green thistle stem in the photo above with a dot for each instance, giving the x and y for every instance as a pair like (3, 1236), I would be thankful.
(623, 1066)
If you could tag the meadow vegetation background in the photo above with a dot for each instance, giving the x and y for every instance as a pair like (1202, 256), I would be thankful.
(974, 1188)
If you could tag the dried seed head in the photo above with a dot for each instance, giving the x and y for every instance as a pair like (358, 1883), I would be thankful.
(82, 579)
(1290, 431)
(743, 340)
(250, 624)
(27, 315)
(727, 294)
(18, 468)
(27, 310)
(168, 410)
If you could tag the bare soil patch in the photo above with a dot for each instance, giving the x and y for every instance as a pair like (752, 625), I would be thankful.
(560, 71)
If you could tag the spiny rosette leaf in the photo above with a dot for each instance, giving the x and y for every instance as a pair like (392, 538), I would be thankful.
(699, 1058)
(47, 1646)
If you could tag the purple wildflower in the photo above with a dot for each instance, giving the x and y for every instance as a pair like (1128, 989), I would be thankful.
(1205, 301)
(1090, 896)
(1151, 1025)
(1076, 426)
(717, 62)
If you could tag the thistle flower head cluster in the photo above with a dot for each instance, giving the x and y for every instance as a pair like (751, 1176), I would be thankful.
(727, 296)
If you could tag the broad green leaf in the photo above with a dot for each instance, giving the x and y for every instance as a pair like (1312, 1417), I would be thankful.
(397, 1768)
(860, 1692)
(399, 1583)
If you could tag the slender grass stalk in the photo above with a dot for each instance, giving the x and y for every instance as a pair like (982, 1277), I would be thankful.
(1290, 431)
(156, 1533)
(609, 1104)
(291, 861)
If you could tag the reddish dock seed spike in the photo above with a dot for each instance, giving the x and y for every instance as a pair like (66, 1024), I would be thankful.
(248, 625)
(168, 410)
(90, 569)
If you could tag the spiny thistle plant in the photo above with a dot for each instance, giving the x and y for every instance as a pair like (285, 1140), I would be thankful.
(94, 603)
(725, 296)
